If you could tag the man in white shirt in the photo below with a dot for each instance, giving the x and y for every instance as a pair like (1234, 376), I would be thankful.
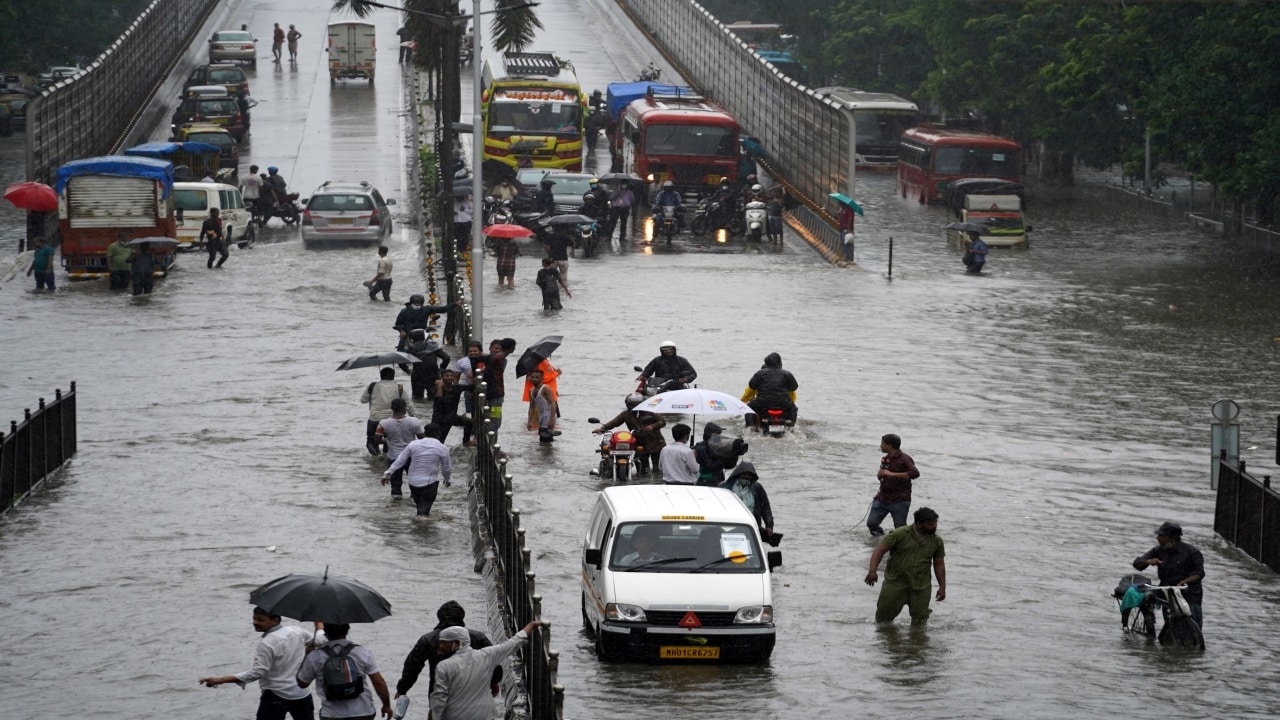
(275, 665)
(379, 395)
(428, 460)
(461, 691)
(251, 188)
(360, 706)
(398, 431)
(678, 463)
(381, 282)
(462, 210)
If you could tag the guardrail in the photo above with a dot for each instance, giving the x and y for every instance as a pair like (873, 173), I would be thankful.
(506, 562)
(92, 113)
(33, 450)
(1247, 513)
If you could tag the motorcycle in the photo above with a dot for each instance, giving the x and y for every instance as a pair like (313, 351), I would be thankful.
(656, 385)
(617, 454)
(665, 221)
(774, 422)
(754, 219)
(268, 206)
(497, 211)
(588, 236)
(650, 74)
(712, 214)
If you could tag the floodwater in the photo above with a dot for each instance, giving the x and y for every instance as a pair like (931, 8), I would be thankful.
(1057, 407)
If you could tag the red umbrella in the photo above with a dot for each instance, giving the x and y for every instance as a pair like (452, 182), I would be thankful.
(507, 230)
(32, 196)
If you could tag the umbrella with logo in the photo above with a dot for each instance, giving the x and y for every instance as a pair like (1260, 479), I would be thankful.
(320, 597)
(847, 202)
(695, 401)
(391, 357)
(536, 353)
(32, 196)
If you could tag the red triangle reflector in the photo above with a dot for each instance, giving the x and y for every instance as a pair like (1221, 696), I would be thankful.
(690, 620)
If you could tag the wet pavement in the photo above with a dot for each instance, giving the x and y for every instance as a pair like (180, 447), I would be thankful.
(1057, 407)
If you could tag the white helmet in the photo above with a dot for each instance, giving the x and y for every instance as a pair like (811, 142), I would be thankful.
(667, 344)
(757, 188)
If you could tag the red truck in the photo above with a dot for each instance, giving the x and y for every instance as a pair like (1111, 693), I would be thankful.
(98, 198)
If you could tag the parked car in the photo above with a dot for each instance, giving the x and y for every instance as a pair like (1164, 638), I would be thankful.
(233, 46)
(16, 108)
(347, 212)
(228, 148)
(211, 104)
(57, 74)
(225, 75)
(191, 203)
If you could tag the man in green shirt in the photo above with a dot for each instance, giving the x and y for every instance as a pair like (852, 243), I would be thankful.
(118, 264)
(912, 549)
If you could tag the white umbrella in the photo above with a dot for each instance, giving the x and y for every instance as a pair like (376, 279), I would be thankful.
(695, 401)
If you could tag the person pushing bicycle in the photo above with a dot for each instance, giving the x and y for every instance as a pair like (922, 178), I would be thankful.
(1177, 563)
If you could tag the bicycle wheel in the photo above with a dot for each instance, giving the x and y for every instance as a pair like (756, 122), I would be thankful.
(1140, 623)
(1182, 631)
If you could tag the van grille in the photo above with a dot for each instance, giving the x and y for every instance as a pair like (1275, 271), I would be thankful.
(672, 618)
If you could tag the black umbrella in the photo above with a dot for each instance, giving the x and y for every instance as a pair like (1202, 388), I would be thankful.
(323, 598)
(969, 227)
(619, 177)
(570, 220)
(157, 241)
(536, 353)
(391, 357)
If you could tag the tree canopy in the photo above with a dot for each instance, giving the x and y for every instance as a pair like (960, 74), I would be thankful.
(35, 35)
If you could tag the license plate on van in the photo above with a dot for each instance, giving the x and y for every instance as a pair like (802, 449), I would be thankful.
(667, 652)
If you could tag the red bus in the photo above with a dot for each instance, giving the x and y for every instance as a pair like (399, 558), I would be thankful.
(679, 137)
(930, 158)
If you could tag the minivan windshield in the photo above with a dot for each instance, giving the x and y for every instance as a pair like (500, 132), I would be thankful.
(686, 547)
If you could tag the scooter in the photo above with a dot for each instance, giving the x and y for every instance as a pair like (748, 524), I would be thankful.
(650, 74)
(617, 455)
(754, 217)
(665, 221)
(774, 422)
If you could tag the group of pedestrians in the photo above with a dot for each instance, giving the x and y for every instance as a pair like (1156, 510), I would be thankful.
(464, 670)
(279, 37)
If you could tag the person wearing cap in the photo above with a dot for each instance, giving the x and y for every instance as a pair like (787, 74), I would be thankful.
(462, 689)
(912, 551)
(1177, 563)
(426, 652)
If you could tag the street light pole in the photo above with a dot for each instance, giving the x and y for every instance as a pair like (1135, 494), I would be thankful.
(477, 200)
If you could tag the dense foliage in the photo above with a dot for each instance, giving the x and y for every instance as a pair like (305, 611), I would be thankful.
(35, 35)
(1075, 81)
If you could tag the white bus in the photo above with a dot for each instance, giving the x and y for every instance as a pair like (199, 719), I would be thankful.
(881, 119)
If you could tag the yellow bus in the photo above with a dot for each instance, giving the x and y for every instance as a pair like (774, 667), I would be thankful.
(533, 112)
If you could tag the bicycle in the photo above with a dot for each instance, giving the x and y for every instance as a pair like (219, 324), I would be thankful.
(1179, 630)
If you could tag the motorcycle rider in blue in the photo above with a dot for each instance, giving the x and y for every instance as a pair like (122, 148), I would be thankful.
(669, 366)
(772, 387)
(670, 197)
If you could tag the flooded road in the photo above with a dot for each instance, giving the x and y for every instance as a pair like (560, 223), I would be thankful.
(1057, 407)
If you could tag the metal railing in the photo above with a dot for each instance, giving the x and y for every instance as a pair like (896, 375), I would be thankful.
(92, 113)
(34, 449)
(505, 559)
(805, 136)
(1247, 513)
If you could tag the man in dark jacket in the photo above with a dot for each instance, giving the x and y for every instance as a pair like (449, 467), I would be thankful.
(416, 314)
(745, 483)
(669, 366)
(426, 650)
(772, 387)
(1177, 563)
(434, 360)
(647, 428)
(715, 454)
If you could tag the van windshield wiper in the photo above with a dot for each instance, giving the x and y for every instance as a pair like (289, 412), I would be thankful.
(718, 561)
(656, 563)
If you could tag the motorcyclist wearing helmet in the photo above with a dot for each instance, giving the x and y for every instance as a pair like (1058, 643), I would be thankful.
(772, 387)
(592, 208)
(668, 196)
(668, 365)
(416, 315)
(727, 198)
(599, 193)
(647, 428)
(544, 200)
(756, 192)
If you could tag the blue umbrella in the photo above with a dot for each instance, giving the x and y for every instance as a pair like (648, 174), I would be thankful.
(848, 202)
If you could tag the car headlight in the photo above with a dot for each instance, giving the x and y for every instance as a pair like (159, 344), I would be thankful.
(624, 613)
(754, 614)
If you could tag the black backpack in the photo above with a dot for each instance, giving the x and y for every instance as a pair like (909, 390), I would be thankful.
(342, 678)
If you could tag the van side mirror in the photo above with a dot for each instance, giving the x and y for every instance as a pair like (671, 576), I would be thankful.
(775, 559)
(638, 368)
(592, 557)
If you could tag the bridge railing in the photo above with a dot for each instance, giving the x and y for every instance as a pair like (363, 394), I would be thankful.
(36, 447)
(1247, 513)
(92, 113)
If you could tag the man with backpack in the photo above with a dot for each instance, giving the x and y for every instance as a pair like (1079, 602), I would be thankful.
(279, 653)
(344, 673)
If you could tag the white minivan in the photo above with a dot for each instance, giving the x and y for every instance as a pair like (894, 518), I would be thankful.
(674, 572)
(191, 202)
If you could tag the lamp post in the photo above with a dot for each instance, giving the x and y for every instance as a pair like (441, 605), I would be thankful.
(477, 161)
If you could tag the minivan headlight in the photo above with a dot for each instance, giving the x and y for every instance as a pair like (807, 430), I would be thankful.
(624, 613)
(754, 614)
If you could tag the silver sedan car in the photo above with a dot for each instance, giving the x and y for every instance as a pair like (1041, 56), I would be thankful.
(233, 46)
(346, 212)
